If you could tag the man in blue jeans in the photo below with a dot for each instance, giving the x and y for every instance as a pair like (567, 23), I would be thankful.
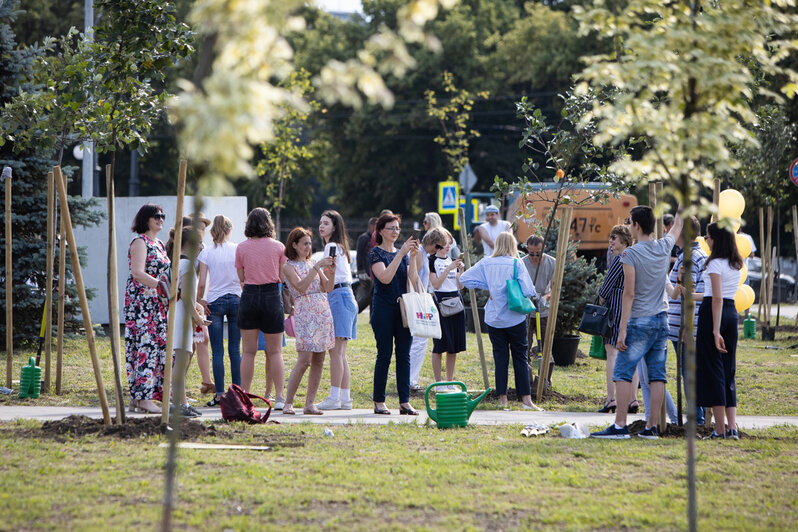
(643, 331)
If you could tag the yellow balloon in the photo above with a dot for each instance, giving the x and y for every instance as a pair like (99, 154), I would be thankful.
(743, 245)
(749, 292)
(731, 204)
(703, 244)
(740, 300)
(743, 274)
(744, 298)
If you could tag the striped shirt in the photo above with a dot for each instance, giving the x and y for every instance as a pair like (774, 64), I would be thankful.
(675, 305)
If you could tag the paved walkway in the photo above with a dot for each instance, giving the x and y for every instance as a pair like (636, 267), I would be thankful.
(365, 416)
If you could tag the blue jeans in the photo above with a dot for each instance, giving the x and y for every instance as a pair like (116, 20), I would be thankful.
(646, 338)
(504, 341)
(386, 322)
(227, 305)
(699, 410)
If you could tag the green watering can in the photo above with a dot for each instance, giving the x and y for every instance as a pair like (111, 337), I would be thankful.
(30, 382)
(454, 408)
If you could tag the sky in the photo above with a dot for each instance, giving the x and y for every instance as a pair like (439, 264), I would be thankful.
(346, 6)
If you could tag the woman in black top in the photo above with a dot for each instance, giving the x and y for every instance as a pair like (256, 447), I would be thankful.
(391, 269)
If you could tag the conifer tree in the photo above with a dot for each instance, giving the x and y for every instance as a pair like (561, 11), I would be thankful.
(29, 200)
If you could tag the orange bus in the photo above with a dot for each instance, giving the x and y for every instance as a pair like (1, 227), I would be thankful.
(592, 220)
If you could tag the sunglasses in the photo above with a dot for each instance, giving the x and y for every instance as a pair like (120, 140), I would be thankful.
(438, 247)
(160, 216)
(534, 254)
(613, 237)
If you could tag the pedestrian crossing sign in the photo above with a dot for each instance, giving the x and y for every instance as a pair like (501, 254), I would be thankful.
(447, 196)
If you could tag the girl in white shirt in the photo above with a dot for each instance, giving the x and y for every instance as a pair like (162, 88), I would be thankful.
(444, 276)
(343, 306)
(716, 339)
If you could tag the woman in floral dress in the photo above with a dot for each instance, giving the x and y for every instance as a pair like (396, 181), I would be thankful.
(313, 321)
(146, 303)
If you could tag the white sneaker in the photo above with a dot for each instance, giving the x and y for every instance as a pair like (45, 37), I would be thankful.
(279, 403)
(330, 404)
(346, 405)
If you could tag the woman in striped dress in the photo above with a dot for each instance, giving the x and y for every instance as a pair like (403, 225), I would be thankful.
(612, 293)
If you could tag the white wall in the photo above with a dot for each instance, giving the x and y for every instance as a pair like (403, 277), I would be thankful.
(95, 240)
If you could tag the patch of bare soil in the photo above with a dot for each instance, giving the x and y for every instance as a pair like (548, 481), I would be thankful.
(675, 431)
(79, 426)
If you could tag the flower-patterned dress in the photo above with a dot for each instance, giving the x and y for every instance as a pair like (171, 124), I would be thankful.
(313, 321)
(145, 326)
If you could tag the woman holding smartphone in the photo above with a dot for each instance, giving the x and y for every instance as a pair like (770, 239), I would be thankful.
(343, 306)
(392, 268)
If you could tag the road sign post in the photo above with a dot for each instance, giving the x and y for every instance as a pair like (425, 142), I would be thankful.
(448, 192)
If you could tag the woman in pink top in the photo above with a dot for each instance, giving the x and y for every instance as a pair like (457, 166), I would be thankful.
(258, 261)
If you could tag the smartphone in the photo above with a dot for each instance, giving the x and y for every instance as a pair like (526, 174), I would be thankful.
(461, 257)
(417, 234)
(331, 251)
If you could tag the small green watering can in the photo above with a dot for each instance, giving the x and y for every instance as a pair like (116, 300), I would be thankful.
(454, 408)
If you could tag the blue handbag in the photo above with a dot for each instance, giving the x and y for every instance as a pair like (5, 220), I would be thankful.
(515, 296)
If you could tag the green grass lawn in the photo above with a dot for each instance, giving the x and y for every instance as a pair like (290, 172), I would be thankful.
(766, 379)
(396, 477)
(400, 477)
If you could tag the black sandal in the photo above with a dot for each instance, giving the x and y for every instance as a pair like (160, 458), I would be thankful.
(215, 401)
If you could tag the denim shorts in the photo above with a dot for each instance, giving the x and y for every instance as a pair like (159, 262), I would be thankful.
(261, 307)
(647, 338)
(343, 306)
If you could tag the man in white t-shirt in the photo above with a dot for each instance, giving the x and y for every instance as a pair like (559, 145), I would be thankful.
(490, 230)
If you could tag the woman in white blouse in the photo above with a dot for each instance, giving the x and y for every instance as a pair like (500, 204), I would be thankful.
(217, 269)
(506, 329)
(716, 339)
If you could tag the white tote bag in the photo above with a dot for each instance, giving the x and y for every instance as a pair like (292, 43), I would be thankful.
(419, 313)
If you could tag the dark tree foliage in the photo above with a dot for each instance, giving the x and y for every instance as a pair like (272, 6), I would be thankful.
(387, 158)
(38, 19)
(29, 205)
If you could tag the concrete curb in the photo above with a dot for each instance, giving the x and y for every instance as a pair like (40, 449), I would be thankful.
(367, 416)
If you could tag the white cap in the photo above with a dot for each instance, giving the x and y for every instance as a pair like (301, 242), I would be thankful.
(491, 208)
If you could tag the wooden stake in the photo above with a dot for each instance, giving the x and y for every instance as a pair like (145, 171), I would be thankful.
(61, 301)
(767, 281)
(652, 201)
(9, 285)
(659, 229)
(771, 275)
(113, 295)
(660, 222)
(763, 262)
(84, 302)
(716, 198)
(562, 254)
(48, 298)
(795, 237)
(167, 379)
(473, 298)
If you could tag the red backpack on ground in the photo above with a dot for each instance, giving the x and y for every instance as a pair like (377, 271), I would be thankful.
(236, 406)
